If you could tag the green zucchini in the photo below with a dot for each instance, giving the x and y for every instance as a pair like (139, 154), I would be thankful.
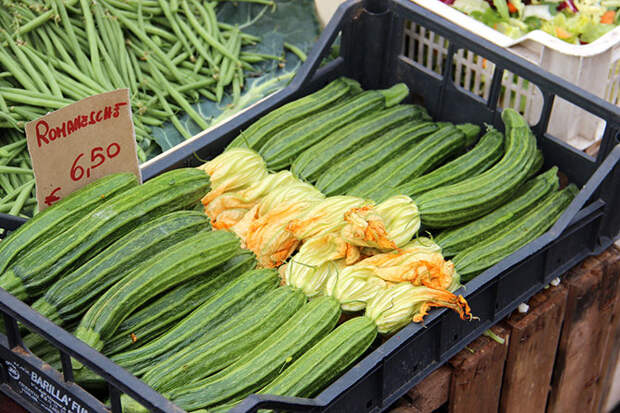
(464, 201)
(537, 165)
(315, 160)
(255, 136)
(283, 147)
(226, 343)
(326, 360)
(33, 273)
(186, 259)
(156, 318)
(413, 162)
(71, 296)
(470, 130)
(60, 216)
(261, 365)
(218, 309)
(350, 170)
(453, 241)
(486, 153)
(509, 239)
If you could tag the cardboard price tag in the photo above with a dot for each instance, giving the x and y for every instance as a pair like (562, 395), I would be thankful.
(80, 143)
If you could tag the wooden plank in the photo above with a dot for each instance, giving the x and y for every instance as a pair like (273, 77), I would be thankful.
(611, 263)
(433, 392)
(533, 343)
(477, 375)
(576, 381)
(427, 396)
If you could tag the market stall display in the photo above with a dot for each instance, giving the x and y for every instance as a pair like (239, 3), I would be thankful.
(365, 251)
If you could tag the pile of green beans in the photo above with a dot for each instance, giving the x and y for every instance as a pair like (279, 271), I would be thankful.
(168, 53)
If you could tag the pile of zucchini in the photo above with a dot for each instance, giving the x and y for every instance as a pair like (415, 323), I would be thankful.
(137, 272)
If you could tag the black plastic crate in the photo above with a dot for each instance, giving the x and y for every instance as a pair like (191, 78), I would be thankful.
(371, 45)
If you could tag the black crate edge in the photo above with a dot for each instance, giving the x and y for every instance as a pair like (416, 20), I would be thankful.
(588, 225)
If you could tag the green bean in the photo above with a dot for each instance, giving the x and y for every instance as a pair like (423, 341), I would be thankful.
(28, 67)
(32, 98)
(206, 36)
(244, 36)
(207, 19)
(128, 7)
(173, 118)
(26, 113)
(174, 5)
(172, 52)
(136, 67)
(47, 70)
(9, 64)
(74, 90)
(178, 98)
(117, 80)
(5, 183)
(14, 145)
(152, 121)
(36, 22)
(93, 38)
(21, 198)
(3, 106)
(82, 60)
(265, 2)
(147, 41)
(106, 33)
(14, 170)
(236, 86)
(58, 45)
(181, 58)
(296, 51)
(228, 69)
(198, 64)
(173, 23)
(195, 42)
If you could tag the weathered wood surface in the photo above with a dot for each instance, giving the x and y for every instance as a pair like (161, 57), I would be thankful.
(477, 375)
(533, 343)
(588, 330)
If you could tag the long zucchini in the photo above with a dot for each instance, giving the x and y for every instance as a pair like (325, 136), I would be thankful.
(33, 273)
(283, 147)
(350, 170)
(194, 256)
(315, 160)
(226, 343)
(60, 216)
(71, 296)
(156, 318)
(326, 360)
(530, 226)
(261, 365)
(484, 155)
(455, 240)
(418, 159)
(467, 200)
(255, 136)
(221, 307)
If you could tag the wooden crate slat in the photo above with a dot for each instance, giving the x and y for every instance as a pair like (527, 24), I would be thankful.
(477, 375)
(578, 372)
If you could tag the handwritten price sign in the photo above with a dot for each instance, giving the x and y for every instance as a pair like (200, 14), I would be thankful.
(81, 143)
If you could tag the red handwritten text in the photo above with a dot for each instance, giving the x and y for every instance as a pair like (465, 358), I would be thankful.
(97, 157)
(46, 133)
